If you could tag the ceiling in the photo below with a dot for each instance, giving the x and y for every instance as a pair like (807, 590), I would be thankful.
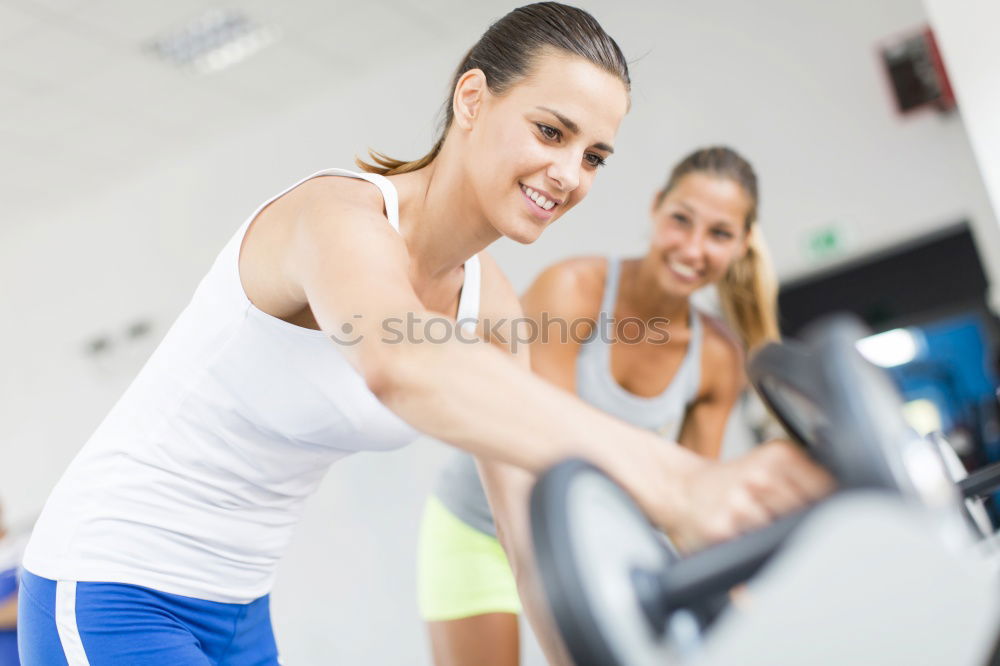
(83, 100)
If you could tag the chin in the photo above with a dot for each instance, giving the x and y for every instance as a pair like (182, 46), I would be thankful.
(521, 232)
(524, 238)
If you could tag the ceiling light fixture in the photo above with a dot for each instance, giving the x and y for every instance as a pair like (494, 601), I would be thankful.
(212, 42)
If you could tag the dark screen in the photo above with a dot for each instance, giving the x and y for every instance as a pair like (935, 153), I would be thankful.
(907, 284)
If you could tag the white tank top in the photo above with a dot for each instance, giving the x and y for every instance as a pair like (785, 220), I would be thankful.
(194, 481)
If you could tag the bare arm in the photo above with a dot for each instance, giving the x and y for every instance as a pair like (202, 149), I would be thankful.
(723, 380)
(344, 261)
(8, 612)
(350, 266)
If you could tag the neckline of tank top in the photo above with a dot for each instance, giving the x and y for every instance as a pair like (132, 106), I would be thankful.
(694, 322)
(392, 214)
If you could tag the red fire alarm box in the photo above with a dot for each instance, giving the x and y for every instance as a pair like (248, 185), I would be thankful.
(916, 72)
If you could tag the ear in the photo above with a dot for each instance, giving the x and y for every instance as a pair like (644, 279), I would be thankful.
(655, 203)
(470, 92)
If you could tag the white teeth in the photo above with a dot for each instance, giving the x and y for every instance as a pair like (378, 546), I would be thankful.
(686, 271)
(540, 200)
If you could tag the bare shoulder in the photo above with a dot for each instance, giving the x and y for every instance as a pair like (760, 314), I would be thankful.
(340, 221)
(324, 212)
(339, 198)
(569, 288)
(323, 226)
(302, 229)
(722, 352)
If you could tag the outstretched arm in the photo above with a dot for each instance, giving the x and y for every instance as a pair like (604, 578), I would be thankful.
(351, 268)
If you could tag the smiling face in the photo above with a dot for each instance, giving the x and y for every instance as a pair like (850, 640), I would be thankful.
(699, 231)
(532, 153)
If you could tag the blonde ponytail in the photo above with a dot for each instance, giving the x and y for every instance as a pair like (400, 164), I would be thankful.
(749, 294)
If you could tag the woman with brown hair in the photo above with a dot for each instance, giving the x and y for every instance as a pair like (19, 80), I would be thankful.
(644, 354)
(160, 542)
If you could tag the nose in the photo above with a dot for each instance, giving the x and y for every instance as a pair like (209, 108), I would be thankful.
(692, 250)
(565, 170)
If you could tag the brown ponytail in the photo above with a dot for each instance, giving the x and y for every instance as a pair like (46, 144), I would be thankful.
(506, 53)
(749, 290)
(390, 166)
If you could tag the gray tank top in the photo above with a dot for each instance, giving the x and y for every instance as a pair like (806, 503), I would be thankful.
(458, 486)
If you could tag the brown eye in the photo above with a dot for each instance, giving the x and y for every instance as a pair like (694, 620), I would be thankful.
(594, 160)
(550, 133)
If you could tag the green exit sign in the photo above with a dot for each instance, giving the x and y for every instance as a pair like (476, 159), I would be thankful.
(825, 243)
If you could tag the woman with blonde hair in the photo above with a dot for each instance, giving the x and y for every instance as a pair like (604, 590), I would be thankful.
(643, 354)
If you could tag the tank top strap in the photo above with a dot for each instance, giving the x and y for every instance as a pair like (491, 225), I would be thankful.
(468, 303)
(611, 286)
(596, 348)
(690, 368)
(229, 257)
(468, 300)
(385, 186)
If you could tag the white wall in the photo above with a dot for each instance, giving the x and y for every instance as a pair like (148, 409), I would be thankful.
(966, 35)
(796, 86)
(799, 89)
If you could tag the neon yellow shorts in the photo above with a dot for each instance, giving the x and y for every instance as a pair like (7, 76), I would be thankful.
(461, 572)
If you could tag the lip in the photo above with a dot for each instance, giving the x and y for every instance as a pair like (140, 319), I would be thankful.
(534, 208)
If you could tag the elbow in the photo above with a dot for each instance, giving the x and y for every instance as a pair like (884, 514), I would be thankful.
(389, 372)
(382, 376)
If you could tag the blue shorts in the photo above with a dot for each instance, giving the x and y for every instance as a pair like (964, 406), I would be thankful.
(67, 623)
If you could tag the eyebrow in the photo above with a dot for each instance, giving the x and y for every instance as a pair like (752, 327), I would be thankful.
(728, 223)
(574, 128)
